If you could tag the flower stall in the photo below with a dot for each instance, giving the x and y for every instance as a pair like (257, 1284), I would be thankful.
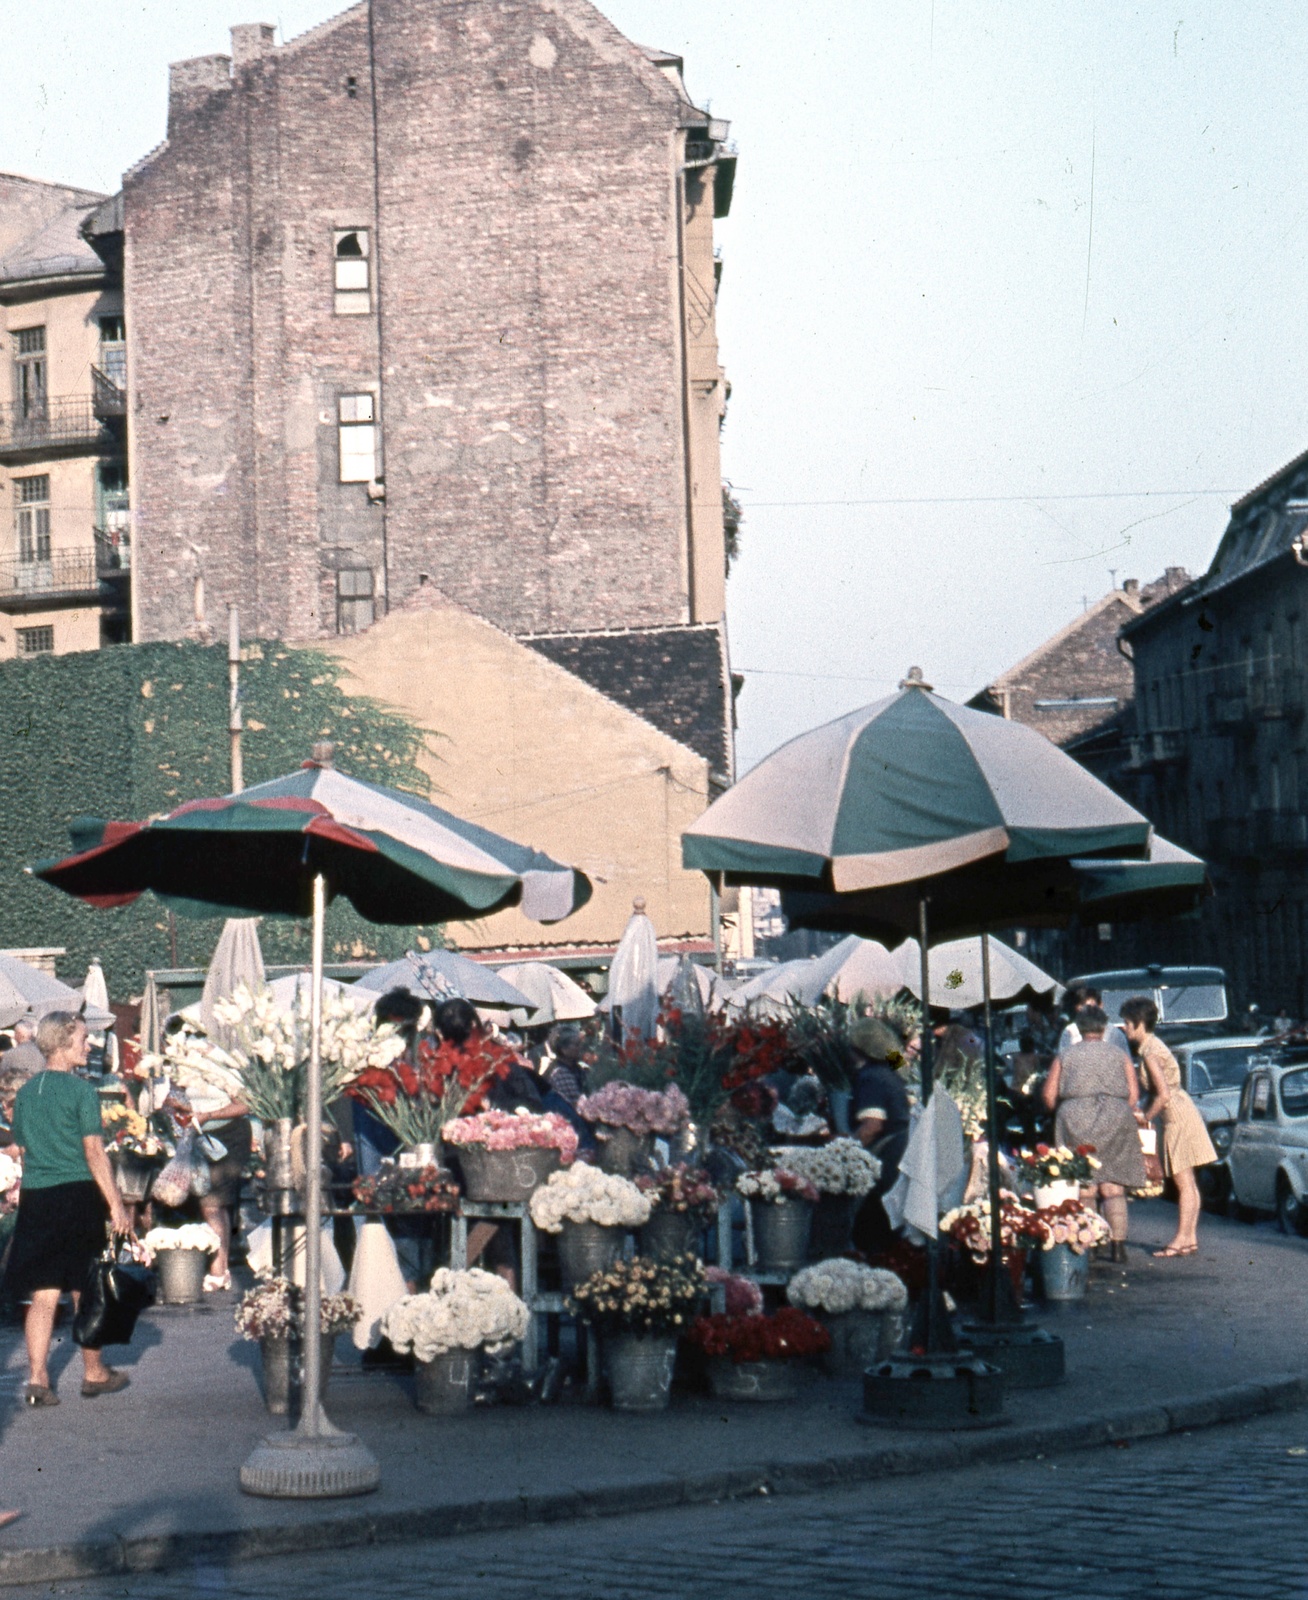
(460, 1315)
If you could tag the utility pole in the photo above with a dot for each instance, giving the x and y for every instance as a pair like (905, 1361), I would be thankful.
(234, 695)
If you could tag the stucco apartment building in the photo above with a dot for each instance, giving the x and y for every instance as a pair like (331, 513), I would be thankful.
(64, 534)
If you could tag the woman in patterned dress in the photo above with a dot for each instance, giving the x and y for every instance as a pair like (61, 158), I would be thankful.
(1185, 1141)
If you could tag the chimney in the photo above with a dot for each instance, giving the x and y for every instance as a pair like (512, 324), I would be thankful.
(250, 40)
(1175, 578)
(192, 82)
(324, 754)
(1131, 586)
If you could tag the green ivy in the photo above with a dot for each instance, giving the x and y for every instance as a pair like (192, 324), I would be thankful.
(133, 730)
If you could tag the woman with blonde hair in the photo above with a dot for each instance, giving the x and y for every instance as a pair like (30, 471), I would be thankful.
(1185, 1141)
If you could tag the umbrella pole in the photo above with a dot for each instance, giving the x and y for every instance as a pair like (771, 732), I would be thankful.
(315, 1461)
(1000, 1306)
(934, 1333)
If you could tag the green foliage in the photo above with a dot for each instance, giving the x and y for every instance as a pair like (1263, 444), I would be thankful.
(135, 730)
(733, 519)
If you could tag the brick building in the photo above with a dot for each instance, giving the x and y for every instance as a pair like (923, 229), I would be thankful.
(64, 537)
(427, 296)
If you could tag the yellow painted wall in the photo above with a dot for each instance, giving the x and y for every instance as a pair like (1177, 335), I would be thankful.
(524, 747)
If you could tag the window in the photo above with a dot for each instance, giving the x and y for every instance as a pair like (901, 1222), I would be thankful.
(113, 350)
(356, 428)
(355, 609)
(33, 519)
(35, 641)
(1294, 1093)
(1260, 1102)
(30, 372)
(353, 269)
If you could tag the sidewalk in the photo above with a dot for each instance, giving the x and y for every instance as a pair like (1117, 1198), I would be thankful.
(149, 1478)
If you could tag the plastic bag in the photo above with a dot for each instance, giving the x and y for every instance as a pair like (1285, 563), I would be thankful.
(115, 1294)
(173, 1185)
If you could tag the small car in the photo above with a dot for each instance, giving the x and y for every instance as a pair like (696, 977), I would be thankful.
(1213, 1071)
(1268, 1158)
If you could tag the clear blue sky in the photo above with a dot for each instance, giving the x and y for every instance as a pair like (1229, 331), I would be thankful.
(1009, 265)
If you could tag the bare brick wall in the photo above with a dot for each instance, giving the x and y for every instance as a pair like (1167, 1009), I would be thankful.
(529, 377)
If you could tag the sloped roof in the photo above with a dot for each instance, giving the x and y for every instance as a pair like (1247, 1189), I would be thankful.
(675, 678)
(39, 230)
(1016, 674)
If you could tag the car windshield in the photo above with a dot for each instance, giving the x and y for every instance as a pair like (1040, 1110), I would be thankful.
(1220, 1069)
(1294, 1093)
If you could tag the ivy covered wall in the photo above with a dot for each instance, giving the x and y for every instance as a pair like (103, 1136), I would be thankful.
(133, 730)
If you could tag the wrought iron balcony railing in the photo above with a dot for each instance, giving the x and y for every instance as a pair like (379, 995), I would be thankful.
(108, 399)
(63, 574)
(59, 422)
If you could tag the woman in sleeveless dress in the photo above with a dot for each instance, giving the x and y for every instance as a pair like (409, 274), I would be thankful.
(1185, 1142)
(1093, 1088)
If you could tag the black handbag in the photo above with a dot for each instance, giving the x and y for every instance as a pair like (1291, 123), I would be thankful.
(115, 1294)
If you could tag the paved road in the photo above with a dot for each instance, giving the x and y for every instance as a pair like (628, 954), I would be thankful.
(1218, 1512)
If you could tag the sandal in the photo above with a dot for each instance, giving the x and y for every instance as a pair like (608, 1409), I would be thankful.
(214, 1282)
(40, 1394)
(1170, 1251)
(6, 1517)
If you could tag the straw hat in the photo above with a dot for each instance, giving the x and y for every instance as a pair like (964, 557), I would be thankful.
(878, 1041)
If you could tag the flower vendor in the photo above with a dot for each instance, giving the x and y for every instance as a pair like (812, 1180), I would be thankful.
(881, 1122)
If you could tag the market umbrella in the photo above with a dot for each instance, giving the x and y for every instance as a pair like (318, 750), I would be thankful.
(288, 847)
(151, 1026)
(800, 982)
(553, 996)
(41, 993)
(633, 992)
(436, 975)
(13, 1003)
(868, 969)
(237, 960)
(95, 991)
(1171, 882)
(958, 981)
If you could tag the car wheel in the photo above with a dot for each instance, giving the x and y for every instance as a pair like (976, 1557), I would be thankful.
(1289, 1213)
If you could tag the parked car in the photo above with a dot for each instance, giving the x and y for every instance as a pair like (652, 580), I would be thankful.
(1268, 1158)
(1213, 1071)
(1188, 998)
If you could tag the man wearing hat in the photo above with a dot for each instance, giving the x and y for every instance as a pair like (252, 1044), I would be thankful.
(881, 1122)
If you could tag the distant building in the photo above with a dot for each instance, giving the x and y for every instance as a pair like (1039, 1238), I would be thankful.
(64, 535)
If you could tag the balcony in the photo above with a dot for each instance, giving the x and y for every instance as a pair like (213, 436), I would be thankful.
(64, 425)
(1229, 709)
(108, 399)
(65, 578)
(1279, 695)
(1151, 752)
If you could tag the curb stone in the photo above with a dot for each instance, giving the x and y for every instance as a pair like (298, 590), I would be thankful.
(159, 1552)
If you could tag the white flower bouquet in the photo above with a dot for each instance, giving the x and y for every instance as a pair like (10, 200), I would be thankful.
(838, 1286)
(775, 1184)
(583, 1193)
(190, 1236)
(11, 1181)
(267, 1066)
(841, 1167)
(472, 1310)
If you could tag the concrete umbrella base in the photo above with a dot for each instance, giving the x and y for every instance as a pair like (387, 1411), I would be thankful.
(295, 1466)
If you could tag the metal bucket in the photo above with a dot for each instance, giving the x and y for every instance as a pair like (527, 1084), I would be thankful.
(505, 1175)
(669, 1233)
(640, 1370)
(781, 1232)
(859, 1339)
(623, 1153)
(753, 1380)
(1055, 1193)
(283, 1371)
(587, 1247)
(1064, 1275)
(181, 1276)
(133, 1174)
(833, 1220)
(443, 1386)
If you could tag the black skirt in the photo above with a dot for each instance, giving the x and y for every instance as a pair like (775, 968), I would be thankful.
(59, 1233)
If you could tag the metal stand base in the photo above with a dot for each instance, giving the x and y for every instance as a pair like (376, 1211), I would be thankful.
(952, 1391)
(290, 1466)
(1028, 1357)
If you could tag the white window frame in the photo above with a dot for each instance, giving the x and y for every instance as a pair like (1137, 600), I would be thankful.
(352, 274)
(356, 434)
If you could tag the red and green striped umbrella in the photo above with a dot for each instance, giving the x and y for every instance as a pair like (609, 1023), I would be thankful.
(396, 858)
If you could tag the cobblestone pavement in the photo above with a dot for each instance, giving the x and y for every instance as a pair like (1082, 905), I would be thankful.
(1218, 1512)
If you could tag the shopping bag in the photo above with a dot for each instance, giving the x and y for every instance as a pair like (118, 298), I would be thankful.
(1152, 1164)
(115, 1294)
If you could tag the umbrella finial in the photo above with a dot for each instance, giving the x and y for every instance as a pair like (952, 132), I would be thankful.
(638, 904)
(915, 680)
(324, 754)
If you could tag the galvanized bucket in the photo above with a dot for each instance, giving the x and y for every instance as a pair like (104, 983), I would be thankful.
(443, 1386)
(859, 1339)
(623, 1153)
(669, 1233)
(640, 1370)
(781, 1233)
(181, 1276)
(133, 1173)
(505, 1175)
(585, 1248)
(753, 1380)
(1064, 1274)
(283, 1371)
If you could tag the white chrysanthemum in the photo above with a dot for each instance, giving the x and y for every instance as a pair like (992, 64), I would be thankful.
(190, 1236)
(838, 1286)
(841, 1167)
(583, 1193)
(470, 1310)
